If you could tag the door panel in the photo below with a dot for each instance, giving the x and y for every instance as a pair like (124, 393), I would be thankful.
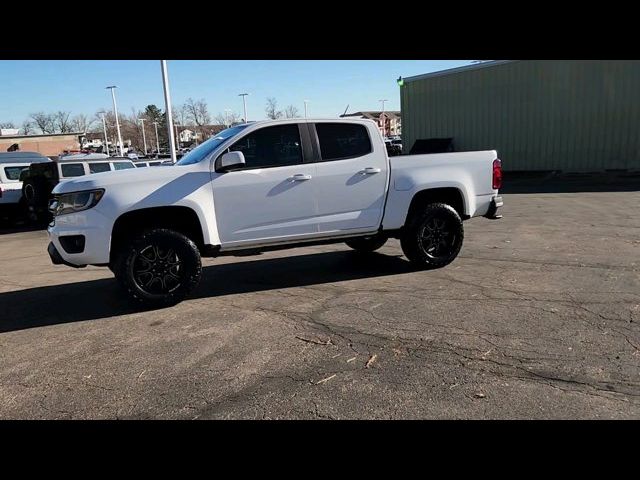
(255, 206)
(272, 198)
(351, 191)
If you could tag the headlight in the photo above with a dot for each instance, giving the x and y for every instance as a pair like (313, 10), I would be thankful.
(75, 202)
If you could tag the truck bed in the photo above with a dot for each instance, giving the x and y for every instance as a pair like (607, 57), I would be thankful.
(469, 172)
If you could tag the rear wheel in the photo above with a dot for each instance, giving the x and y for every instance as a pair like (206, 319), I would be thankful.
(159, 268)
(367, 244)
(433, 238)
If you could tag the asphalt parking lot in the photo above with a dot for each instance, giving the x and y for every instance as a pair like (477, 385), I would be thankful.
(538, 318)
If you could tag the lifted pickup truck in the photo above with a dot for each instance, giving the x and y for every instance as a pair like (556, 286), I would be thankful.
(269, 185)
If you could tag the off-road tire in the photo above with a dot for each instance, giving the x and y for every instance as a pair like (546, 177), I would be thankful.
(437, 223)
(167, 257)
(367, 244)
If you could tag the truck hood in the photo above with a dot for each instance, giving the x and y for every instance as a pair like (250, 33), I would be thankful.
(122, 178)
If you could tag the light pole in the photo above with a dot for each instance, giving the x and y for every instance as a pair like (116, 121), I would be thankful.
(244, 104)
(144, 137)
(305, 108)
(157, 141)
(226, 117)
(384, 126)
(167, 106)
(115, 112)
(106, 140)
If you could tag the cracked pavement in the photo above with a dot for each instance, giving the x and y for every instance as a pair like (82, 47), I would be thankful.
(538, 318)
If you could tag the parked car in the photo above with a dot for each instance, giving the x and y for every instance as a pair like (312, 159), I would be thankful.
(155, 163)
(40, 178)
(269, 185)
(11, 166)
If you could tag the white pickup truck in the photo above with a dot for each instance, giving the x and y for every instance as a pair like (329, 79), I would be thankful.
(269, 185)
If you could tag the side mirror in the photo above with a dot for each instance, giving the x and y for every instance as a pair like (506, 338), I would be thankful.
(229, 160)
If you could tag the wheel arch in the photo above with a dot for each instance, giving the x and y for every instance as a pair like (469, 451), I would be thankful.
(449, 195)
(179, 218)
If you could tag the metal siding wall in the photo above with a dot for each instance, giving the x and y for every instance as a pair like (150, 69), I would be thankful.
(539, 114)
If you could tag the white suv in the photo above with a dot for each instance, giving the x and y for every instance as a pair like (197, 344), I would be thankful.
(11, 166)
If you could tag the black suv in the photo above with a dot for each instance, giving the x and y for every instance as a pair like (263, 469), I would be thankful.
(40, 179)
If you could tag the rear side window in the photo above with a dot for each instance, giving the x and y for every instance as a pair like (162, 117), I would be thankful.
(99, 167)
(13, 173)
(271, 147)
(72, 169)
(122, 165)
(342, 140)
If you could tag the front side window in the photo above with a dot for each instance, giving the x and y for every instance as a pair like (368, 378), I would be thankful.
(98, 167)
(122, 165)
(342, 140)
(13, 173)
(72, 169)
(271, 147)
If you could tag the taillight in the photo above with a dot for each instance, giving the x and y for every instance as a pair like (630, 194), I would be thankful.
(497, 174)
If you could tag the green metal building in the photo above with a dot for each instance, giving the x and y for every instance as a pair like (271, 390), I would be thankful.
(565, 115)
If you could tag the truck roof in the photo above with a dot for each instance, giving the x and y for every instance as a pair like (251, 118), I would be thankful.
(309, 120)
(88, 158)
(23, 157)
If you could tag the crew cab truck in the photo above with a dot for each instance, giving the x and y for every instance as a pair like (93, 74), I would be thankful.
(269, 185)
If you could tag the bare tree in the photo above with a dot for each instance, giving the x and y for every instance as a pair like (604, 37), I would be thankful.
(291, 112)
(81, 123)
(198, 113)
(131, 129)
(7, 125)
(27, 127)
(180, 115)
(62, 122)
(227, 118)
(272, 109)
(44, 121)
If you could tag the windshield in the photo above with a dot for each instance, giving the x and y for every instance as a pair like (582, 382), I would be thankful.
(202, 150)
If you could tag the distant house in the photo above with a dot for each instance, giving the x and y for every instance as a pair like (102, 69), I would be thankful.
(192, 134)
(389, 123)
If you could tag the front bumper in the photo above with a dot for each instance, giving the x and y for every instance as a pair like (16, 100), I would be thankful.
(90, 224)
(57, 259)
(495, 208)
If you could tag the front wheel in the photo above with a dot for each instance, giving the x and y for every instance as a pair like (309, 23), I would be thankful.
(159, 268)
(433, 238)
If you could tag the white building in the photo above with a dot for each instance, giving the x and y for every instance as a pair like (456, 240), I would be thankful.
(9, 131)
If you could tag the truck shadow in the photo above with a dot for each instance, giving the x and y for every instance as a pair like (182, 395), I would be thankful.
(97, 299)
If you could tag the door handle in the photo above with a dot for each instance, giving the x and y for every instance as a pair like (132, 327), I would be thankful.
(370, 171)
(300, 177)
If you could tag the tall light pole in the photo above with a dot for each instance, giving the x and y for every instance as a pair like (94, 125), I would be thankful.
(384, 126)
(157, 141)
(144, 137)
(115, 112)
(305, 108)
(244, 104)
(106, 140)
(226, 117)
(167, 106)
